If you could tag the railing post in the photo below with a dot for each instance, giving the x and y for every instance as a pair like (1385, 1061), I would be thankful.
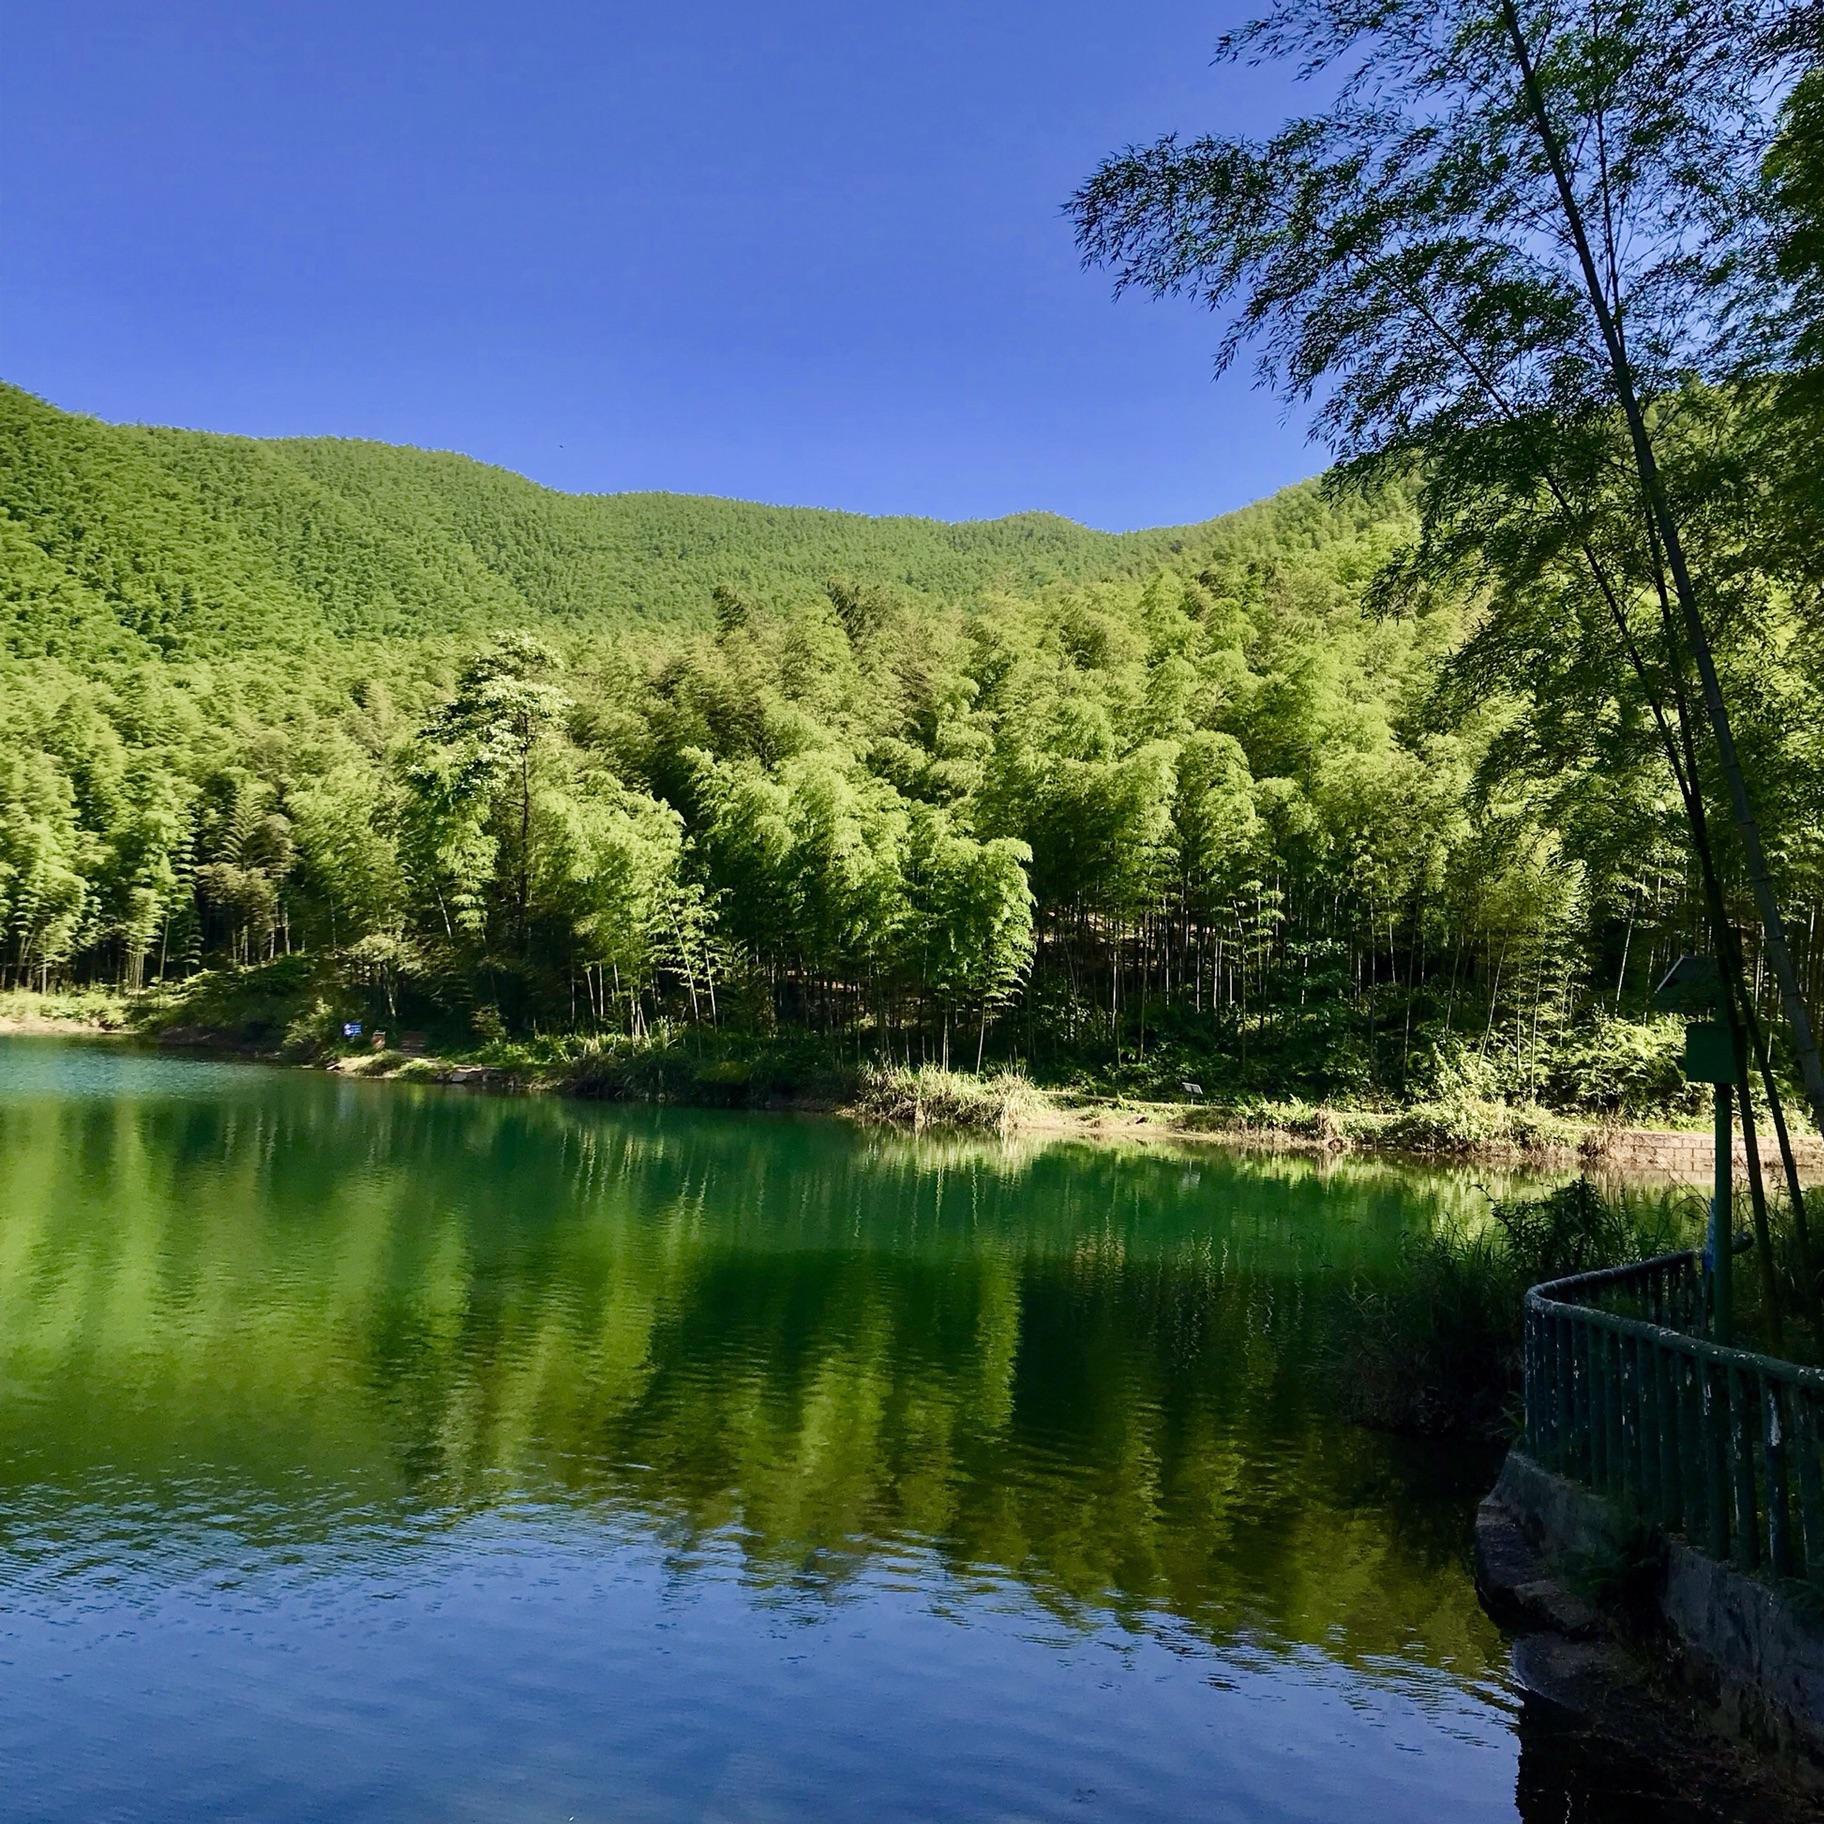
(1529, 1320)
(1565, 1405)
(1627, 1379)
(1627, 1454)
(1605, 1407)
(1597, 1352)
(1542, 1370)
(1773, 1455)
(1715, 1410)
(1804, 1414)
(1547, 1352)
(1744, 1419)
(1646, 1401)
(1690, 1457)
(1722, 1222)
(1586, 1403)
(1535, 1392)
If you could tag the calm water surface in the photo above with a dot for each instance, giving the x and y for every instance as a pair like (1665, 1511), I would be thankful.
(379, 1453)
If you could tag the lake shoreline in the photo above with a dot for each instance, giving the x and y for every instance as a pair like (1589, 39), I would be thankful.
(1554, 1142)
(578, 1393)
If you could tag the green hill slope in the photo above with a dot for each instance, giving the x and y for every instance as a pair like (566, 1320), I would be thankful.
(130, 540)
(1133, 809)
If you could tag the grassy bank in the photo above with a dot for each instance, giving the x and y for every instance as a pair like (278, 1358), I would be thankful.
(1435, 1351)
(72, 1010)
(285, 1010)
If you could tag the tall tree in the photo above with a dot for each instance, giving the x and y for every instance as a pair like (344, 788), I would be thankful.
(472, 785)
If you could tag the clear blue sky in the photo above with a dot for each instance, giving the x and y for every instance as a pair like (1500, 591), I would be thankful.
(807, 251)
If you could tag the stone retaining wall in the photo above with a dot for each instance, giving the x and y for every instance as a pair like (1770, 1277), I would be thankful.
(1757, 1656)
(1689, 1155)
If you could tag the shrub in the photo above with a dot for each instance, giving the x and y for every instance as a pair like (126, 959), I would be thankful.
(1626, 1069)
(90, 1006)
(254, 1008)
(1454, 1071)
(313, 1030)
(1464, 1124)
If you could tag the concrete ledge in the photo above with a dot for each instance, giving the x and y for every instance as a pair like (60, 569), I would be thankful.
(1741, 1644)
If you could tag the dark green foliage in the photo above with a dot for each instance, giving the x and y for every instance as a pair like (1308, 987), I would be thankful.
(260, 1008)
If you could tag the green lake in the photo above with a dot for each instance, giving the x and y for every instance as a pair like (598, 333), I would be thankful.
(376, 1452)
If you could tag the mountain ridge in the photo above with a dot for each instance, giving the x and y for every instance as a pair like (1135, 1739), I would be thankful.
(286, 441)
(149, 540)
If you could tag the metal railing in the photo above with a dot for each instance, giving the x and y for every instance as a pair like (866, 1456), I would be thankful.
(1719, 1445)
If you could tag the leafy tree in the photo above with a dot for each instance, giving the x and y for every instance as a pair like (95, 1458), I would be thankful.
(472, 787)
(246, 844)
(43, 893)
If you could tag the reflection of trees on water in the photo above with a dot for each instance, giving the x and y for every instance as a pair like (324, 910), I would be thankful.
(1100, 1371)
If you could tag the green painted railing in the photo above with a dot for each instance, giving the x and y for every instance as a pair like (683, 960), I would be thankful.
(1720, 1446)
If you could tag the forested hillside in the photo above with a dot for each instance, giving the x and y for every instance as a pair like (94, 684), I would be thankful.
(487, 759)
(133, 540)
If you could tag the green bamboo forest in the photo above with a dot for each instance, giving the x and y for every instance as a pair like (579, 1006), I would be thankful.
(1182, 1157)
(391, 733)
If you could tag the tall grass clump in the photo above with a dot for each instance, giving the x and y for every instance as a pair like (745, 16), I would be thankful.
(924, 1095)
(1436, 1350)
